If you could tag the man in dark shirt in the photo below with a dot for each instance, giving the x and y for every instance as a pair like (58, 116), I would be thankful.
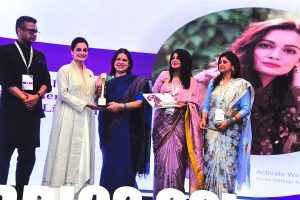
(24, 78)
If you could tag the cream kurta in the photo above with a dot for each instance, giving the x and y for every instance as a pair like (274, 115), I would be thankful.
(70, 157)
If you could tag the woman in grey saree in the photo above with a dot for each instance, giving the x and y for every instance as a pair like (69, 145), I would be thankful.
(228, 138)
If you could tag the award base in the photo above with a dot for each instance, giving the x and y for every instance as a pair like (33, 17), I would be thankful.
(101, 102)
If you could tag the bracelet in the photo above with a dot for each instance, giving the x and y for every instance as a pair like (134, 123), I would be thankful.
(125, 107)
(230, 121)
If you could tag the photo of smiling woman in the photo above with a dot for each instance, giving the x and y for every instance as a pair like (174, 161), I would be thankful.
(270, 56)
(70, 157)
(269, 52)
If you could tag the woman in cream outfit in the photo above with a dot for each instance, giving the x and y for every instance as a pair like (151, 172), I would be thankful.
(70, 157)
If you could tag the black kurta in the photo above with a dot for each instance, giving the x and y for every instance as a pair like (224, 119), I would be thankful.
(19, 126)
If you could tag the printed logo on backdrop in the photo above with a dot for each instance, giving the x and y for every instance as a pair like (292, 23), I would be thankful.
(49, 99)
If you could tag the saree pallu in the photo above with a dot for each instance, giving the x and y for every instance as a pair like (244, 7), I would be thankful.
(177, 142)
(124, 136)
(227, 154)
(194, 139)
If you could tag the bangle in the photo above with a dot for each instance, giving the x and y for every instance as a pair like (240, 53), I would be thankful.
(125, 107)
(230, 121)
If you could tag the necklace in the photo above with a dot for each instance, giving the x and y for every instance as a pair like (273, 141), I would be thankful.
(175, 89)
(221, 83)
(222, 95)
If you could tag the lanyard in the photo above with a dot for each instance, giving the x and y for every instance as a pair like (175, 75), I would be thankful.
(175, 89)
(220, 93)
(23, 58)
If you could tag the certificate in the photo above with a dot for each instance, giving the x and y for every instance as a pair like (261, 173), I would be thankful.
(160, 100)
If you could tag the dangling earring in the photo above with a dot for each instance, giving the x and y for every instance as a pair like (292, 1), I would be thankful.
(296, 69)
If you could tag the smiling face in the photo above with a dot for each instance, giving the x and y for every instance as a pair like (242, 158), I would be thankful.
(175, 62)
(121, 64)
(277, 53)
(80, 52)
(225, 66)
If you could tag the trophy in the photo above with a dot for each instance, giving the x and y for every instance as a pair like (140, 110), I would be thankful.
(102, 98)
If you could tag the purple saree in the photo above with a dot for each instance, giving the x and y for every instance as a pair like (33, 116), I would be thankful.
(177, 139)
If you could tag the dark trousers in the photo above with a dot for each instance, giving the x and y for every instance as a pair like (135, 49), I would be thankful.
(25, 164)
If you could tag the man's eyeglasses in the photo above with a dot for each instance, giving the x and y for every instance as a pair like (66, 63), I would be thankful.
(32, 31)
(79, 49)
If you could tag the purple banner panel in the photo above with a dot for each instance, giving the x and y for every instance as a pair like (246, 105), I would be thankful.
(98, 61)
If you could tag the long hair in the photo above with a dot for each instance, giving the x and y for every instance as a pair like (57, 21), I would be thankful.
(235, 62)
(186, 67)
(244, 48)
(113, 60)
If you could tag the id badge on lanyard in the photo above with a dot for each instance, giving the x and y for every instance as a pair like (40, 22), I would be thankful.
(170, 111)
(219, 115)
(27, 82)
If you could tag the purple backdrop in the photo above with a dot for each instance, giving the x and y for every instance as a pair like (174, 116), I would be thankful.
(98, 61)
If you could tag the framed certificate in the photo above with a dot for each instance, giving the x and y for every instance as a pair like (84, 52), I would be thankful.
(160, 100)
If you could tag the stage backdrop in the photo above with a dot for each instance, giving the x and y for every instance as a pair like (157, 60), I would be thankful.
(275, 114)
(143, 27)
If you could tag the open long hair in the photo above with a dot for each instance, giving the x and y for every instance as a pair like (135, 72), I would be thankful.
(235, 62)
(244, 48)
(186, 67)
